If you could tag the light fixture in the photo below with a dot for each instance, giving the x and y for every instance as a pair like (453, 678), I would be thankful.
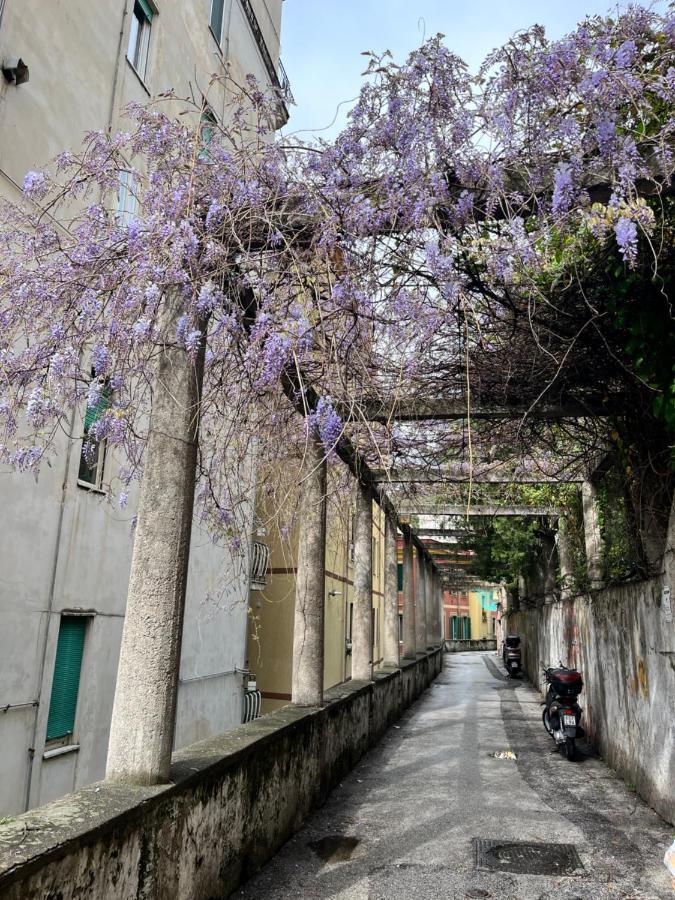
(15, 71)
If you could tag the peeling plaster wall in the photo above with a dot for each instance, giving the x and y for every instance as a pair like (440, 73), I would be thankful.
(620, 640)
(234, 801)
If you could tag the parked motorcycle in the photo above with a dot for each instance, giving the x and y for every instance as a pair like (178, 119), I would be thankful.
(511, 654)
(562, 713)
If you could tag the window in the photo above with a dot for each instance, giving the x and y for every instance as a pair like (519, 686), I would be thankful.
(216, 20)
(139, 36)
(66, 682)
(399, 569)
(454, 628)
(127, 202)
(92, 457)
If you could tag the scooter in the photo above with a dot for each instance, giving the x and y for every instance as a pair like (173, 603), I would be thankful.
(511, 654)
(562, 713)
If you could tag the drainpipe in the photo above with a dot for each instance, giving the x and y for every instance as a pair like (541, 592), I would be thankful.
(48, 614)
(113, 94)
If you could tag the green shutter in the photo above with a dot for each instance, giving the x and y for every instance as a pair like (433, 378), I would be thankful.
(468, 628)
(399, 569)
(66, 683)
(148, 11)
(94, 413)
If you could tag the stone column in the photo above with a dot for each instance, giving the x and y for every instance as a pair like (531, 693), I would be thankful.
(432, 605)
(409, 643)
(144, 708)
(362, 631)
(592, 536)
(308, 626)
(421, 611)
(390, 593)
(565, 559)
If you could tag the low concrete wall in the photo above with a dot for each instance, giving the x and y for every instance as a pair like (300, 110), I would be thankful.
(461, 646)
(623, 644)
(233, 802)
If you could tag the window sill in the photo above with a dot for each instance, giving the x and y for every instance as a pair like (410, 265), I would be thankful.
(60, 751)
(138, 76)
(87, 486)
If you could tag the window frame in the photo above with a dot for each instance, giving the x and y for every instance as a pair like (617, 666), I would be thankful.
(67, 738)
(218, 37)
(101, 450)
(127, 199)
(138, 48)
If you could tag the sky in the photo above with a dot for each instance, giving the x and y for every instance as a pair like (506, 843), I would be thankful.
(321, 41)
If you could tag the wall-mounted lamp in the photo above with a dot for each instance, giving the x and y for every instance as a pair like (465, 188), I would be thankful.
(334, 593)
(15, 71)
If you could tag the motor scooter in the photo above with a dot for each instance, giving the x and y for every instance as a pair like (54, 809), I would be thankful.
(511, 654)
(562, 713)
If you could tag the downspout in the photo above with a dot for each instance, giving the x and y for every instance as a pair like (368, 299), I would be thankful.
(48, 613)
(113, 94)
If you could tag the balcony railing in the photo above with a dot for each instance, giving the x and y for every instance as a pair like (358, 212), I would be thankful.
(279, 78)
(259, 562)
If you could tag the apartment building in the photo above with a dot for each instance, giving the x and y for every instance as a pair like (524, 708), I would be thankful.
(68, 67)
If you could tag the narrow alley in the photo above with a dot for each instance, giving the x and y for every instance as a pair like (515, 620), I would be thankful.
(404, 822)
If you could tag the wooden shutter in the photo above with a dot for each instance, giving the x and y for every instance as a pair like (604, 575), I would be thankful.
(148, 11)
(66, 683)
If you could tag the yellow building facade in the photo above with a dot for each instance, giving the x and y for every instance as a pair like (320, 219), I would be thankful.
(483, 612)
(272, 607)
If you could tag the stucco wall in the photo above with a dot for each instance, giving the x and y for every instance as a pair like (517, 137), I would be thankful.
(65, 547)
(622, 643)
(234, 801)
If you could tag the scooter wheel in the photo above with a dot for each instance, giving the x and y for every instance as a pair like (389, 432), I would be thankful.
(547, 724)
(570, 749)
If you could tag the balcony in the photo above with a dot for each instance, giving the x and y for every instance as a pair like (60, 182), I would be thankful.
(277, 75)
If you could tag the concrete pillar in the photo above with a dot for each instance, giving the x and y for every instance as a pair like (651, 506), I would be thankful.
(421, 610)
(308, 626)
(565, 559)
(435, 608)
(592, 536)
(144, 708)
(432, 605)
(390, 593)
(409, 642)
(362, 629)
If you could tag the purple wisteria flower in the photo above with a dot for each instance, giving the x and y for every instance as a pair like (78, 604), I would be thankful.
(34, 185)
(627, 239)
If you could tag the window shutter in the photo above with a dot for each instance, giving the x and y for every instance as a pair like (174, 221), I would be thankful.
(66, 683)
(399, 570)
(94, 413)
(468, 628)
(148, 11)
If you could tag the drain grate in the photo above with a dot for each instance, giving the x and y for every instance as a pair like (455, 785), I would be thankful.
(523, 858)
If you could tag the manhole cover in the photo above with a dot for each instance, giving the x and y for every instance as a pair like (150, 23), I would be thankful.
(526, 859)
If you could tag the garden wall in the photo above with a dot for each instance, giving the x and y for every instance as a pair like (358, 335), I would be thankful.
(234, 801)
(622, 639)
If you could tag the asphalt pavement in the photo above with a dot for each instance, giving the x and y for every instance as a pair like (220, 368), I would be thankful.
(430, 810)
